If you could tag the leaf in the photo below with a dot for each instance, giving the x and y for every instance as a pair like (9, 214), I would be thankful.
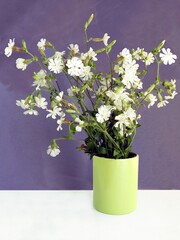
(70, 111)
(110, 145)
(161, 44)
(72, 129)
(88, 22)
(84, 86)
(90, 146)
(115, 153)
(156, 50)
(100, 50)
(102, 150)
(24, 44)
(109, 46)
(97, 39)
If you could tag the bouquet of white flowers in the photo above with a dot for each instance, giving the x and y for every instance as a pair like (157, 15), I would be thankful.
(103, 104)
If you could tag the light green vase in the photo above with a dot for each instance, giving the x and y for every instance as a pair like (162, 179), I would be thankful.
(115, 184)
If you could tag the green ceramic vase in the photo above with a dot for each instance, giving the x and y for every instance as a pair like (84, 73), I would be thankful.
(115, 184)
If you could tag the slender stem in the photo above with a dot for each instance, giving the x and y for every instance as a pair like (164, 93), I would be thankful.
(68, 78)
(86, 38)
(111, 139)
(58, 139)
(97, 83)
(111, 69)
(151, 88)
(132, 139)
(89, 135)
(58, 86)
(88, 95)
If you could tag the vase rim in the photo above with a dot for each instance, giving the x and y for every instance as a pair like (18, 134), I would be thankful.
(135, 155)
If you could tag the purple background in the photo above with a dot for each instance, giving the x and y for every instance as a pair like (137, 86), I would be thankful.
(24, 140)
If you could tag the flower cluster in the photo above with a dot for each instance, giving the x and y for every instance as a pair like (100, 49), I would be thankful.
(110, 116)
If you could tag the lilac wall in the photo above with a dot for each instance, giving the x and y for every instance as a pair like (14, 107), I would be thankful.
(23, 140)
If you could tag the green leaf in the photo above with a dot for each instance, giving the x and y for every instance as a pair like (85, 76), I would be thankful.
(85, 86)
(161, 44)
(24, 44)
(72, 129)
(156, 50)
(88, 22)
(49, 45)
(110, 145)
(70, 111)
(100, 50)
(102, 150)
(97, 39)
(90, 146)
(109, 46)
(115, 153)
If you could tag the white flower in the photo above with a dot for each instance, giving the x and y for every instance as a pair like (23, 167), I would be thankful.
(60, 96)
(86, 73)
(55, 111)
(8, 50)
(139, 84)
(121, 120)
(126, 55)
(80, 124)
(56, 65)
(58, 54)
(105, 39)
(91, 54)
(167, 56)
(20, 64)
(41, 44)
(53, 151)
(139, 54)
(119, 97)
(162, 103)
(149, 58)
(125, 119)
(70, 92)
(74, 48)
(75, 66)
(22, 104)
(173, 94)
(60, 121)
(151, 99)
(130, 114)
(130, 79)
(41, 102)
(128, 70)
(31, 112)
(118, 69)
(40, 79)
(104, 113)
(173, 82)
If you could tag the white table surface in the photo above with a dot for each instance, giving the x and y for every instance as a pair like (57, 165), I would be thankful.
(69, 215)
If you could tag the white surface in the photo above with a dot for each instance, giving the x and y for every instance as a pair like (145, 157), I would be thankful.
(69, 215)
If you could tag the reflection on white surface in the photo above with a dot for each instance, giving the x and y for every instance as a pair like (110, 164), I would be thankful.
(69, 215)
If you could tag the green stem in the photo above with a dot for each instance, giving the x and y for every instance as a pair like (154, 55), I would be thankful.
(86, 38)
(111, 69)
(111, 139)
(151, 88)
(58, 86)
(89, 135)
(132, 139)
